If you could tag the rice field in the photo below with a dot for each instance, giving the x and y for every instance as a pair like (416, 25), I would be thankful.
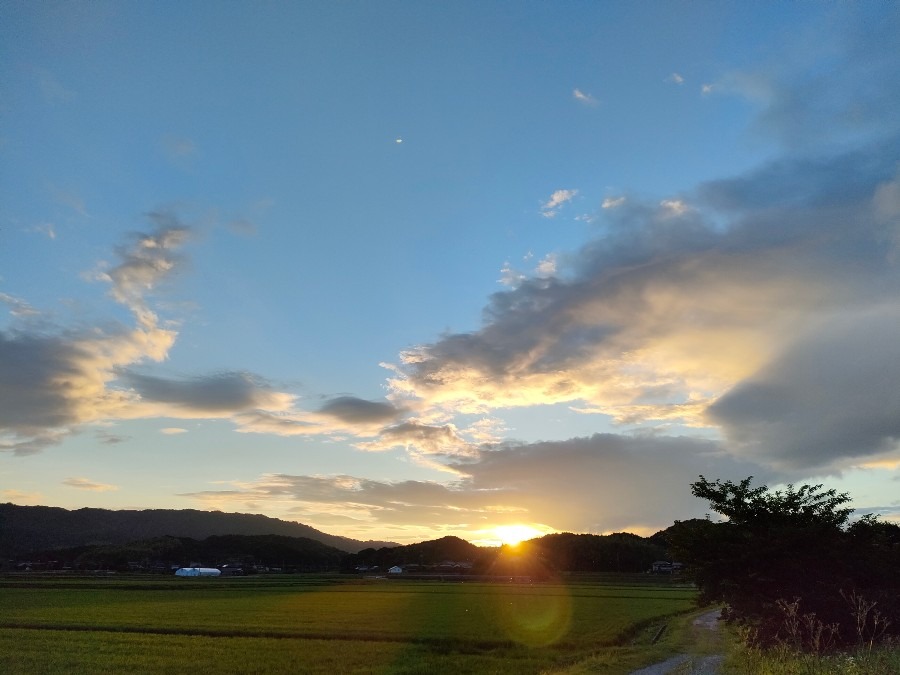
(301, 624)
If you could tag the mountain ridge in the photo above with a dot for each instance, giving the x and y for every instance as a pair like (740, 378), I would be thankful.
(29, 529)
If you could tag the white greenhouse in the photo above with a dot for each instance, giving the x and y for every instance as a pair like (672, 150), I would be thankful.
(197, 572)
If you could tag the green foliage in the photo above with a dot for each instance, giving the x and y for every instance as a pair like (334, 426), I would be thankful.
(758, 508)
(788, 566)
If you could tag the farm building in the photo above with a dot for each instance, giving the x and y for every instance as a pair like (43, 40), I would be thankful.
(197, 572)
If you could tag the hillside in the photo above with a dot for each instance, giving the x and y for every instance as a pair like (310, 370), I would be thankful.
(247, 553)
(28, 529)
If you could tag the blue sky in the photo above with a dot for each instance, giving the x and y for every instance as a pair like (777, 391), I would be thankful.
(400, 270)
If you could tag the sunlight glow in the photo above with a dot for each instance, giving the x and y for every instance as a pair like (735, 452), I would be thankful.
(512, 535)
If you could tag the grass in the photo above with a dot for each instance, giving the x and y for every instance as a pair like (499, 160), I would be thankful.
(743, 660)
(318, 625)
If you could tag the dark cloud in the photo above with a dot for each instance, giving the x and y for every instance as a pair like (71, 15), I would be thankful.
(220, 393)
(354, 410)
(606, 482)
(833, 396)
(34, 373)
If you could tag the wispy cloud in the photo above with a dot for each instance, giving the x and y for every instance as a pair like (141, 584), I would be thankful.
(151, 258)
(612, 202)
(18, 307)
(178, 148)
(46, 229)
(69, 198)
(52, 89)
(22, 497)
(675, 78)
(823, 93)
(551, 207)
(172, 431)
(584, 98)
(87, 484)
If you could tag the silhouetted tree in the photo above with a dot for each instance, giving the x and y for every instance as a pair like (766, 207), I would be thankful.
(790, 551)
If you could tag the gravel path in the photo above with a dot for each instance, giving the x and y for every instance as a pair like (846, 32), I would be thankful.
(698, 665)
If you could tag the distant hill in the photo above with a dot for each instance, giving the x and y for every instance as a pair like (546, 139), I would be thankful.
(240, 553)
(434, 552)
(561, 552)
(29, 529)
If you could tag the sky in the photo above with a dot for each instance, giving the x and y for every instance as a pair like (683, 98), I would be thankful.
(402, 270)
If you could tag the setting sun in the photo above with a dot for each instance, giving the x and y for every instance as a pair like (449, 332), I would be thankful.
(512, 535)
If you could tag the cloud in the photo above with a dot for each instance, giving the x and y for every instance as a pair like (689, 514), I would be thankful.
(55, 380)
(207, 395)
(86, 484)
(676, 309)
(51, 88)
(341, 416)
(46, 229)
(70, 199)
(674, 206)
(547, 266)
(172, 431)
(831, 397)
(177, 148)
(420, 438)
(509, 276)
(584, 98)
(108, 438)
(21, 497)
(551, 207)
(151, 258)
(51, 383)
(675, 78)
(601, 483)
(18, 307)
(354, 410)
(827, 87)
(612, 202)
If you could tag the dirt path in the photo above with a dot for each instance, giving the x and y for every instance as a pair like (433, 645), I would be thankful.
(690, 664)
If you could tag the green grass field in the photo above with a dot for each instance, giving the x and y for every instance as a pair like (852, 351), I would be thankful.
(299, 624)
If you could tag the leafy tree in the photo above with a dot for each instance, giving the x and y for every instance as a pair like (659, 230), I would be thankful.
(790, 550)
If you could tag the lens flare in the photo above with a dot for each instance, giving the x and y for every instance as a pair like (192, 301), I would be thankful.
(536, 616)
